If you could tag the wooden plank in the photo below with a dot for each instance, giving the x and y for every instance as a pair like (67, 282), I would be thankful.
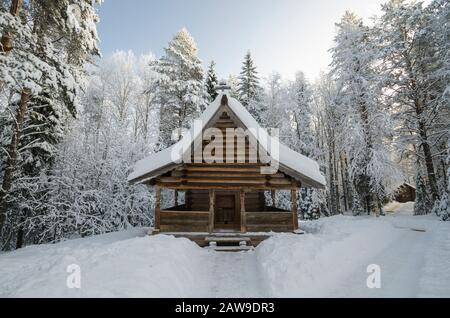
(243, 216)
(212, 203)
(294, 209)
(231, 248)
(206, 186)
(269, 228)
(225, 173)
(185, 212)
(158, 209)
(268, 217)
(274, 200)
(227, 239)
(230, 180)
(184, 228)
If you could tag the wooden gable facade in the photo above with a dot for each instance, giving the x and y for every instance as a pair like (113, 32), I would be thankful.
(217, 195)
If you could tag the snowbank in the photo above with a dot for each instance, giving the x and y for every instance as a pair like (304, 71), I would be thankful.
(313, 264)
(330, 260)
(127, 264)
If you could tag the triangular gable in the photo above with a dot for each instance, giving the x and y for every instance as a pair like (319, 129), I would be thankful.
(292, 163)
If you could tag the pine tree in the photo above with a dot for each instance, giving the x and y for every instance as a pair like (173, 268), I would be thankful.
(180, 88)
(211, 82)
(233, 82)
(249, 88)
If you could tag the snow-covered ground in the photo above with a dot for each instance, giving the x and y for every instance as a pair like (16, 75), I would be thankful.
(330, 260)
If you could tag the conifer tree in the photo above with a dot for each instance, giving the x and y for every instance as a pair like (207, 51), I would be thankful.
(180, 88)
(211, 82)
(249, 89)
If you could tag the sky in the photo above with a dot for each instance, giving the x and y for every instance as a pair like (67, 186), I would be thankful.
(283, 35)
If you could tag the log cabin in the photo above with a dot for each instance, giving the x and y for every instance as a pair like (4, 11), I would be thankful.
(405, 193)
(221, 174)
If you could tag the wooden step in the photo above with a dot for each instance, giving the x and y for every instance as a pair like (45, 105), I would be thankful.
(230, 248)
(227, 239)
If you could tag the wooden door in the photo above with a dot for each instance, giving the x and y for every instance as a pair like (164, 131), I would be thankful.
(226, 214)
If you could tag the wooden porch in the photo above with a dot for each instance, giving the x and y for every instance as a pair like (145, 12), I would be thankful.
(227, 219)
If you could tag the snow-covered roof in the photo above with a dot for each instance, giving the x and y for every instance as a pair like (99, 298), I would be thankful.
(291, 162)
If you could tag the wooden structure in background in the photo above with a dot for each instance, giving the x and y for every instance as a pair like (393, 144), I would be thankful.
(405, 193)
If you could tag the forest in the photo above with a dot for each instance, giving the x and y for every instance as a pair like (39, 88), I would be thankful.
(74, 123)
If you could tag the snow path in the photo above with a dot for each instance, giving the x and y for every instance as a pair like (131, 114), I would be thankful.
(400, 267)
(235, 275)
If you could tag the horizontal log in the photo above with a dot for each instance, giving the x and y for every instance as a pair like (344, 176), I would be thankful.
(218, 174)
(269, 228)
(229, 181)
(233, 165)
(171, 212)
(184, 228)
(246, 187)
(184, 221)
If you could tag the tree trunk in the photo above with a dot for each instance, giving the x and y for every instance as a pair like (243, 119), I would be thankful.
(6, 48)
(344, 179)
(428, 161)
(6, 41)
(11, 162)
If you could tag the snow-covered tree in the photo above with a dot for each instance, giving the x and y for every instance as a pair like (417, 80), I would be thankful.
(211, 81)
(233, 82)
(146, 107)
(121, 84)
(85, 191)
(249, 89)
(273, 103)
(423, 202)
(44, 47)
(442, 206)
(300, 136)
(367, 123)
(180, 88)
(328, 122)
(414, 60)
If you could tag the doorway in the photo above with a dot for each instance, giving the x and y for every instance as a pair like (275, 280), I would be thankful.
(227, 215)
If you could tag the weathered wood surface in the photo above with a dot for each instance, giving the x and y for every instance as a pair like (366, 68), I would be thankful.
(158, 209)
(243, 216)
(224, 174)
(184, 221)
(294, 209)
(269, 221)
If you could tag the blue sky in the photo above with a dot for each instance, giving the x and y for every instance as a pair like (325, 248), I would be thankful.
(283, 35)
